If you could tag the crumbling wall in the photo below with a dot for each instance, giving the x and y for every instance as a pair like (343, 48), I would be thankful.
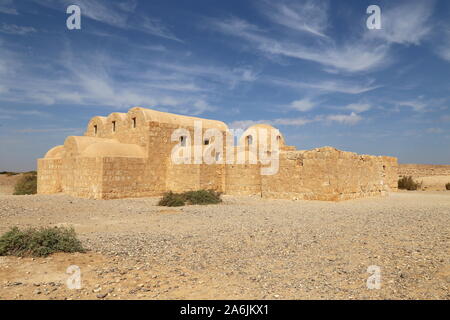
(328, 174)
(423, 170)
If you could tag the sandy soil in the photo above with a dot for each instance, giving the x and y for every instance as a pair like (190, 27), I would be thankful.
(245, 248)
(433, 183)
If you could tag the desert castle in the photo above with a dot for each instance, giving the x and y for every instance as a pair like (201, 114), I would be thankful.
(146, 153)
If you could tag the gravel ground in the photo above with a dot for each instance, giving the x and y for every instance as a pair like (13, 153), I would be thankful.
(249, 248)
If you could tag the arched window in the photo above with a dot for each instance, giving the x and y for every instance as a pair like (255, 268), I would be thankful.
(249, 140)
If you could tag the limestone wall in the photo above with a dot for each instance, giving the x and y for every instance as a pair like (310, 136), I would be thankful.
(330, 174)
(243, 179)
(423, 170)
(49, 176)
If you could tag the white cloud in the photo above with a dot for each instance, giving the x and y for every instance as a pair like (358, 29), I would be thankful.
(244, 124)
(416, 105)
(156, 28)
(358, 107)
(298, 122)
(7, 7)
(98, 79)
(307, 16)
(15, 29)
(328, 85)
(407, 23)
(117, 14)
(302, 105)
(351, 57)
(350, 119)
(443, 50)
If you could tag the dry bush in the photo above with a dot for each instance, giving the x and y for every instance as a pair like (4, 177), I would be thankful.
(171, 199)
(39, 242)
(408, 183)
(26, 184)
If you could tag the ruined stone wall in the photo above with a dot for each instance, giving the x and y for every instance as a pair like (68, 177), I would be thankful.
(423, 170)
(329, 174)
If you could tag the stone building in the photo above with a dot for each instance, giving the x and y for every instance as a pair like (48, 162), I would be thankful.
(131, 155)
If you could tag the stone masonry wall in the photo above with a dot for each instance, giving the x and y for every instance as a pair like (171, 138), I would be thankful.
(49, 176)
(329, 174)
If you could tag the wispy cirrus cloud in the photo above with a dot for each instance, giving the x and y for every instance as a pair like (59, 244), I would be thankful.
(15, 29)
(358, 107)
(121, 15)
(7, 7)
(349, 119)
(343, 119)
(443, 49)
(306, 16)
(350, 57)
(341, 86)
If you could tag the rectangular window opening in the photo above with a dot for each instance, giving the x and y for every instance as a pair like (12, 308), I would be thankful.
(134, 122)
(95, 129)
(114, 126)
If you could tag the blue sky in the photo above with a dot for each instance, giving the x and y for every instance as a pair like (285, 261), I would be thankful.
(311, 68)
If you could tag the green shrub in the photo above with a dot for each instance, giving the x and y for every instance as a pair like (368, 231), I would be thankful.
(447, 186)
(202, 197)
(408, 183)
(26, 185)
(39, 242)
(171, 199)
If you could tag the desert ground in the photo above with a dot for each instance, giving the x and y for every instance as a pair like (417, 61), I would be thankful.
(244, 248)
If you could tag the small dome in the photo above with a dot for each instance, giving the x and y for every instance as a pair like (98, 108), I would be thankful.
(255, 130)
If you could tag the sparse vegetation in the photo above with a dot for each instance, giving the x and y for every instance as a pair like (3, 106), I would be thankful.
(202, 197)
(447, 186)
(408, 183)
(39, 242)
(9, 173)
(26, 184)
(171, 199)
